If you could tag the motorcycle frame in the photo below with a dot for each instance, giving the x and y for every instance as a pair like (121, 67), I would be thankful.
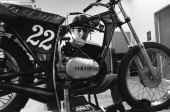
(111, 21)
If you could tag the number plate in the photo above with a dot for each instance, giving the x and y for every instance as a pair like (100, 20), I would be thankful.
(40, 37)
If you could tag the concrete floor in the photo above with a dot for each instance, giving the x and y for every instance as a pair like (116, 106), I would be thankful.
(104, 100)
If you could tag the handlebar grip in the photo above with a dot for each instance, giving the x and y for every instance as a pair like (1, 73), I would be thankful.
(87, 8)
(115, 1)
(75, 13)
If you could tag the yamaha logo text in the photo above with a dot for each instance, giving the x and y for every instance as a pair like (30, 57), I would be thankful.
(83, 68)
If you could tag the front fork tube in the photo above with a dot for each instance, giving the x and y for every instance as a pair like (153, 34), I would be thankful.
(137, 60)
(142, 50)
(141, 46)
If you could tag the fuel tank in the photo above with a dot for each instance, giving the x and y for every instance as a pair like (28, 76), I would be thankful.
(81, 68)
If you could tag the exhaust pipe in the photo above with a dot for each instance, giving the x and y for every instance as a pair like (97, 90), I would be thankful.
(39, 94)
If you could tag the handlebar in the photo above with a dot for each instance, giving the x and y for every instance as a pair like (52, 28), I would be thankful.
(115, 1)
(88, 7)
(75, 13)
(112, 2)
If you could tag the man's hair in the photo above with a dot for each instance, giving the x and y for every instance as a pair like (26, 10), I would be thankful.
(78, 18)
(94, 23)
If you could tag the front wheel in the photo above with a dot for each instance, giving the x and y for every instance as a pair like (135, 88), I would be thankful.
(135, 80)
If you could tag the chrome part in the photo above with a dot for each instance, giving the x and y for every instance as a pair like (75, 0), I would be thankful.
(2, 24)
(148, 62)
(80, 68)
(125, 37)
(2, 29)
(110, 20)
(66, 101)
(129, 23)
(147, 80)
(60, 65)
(142, 49)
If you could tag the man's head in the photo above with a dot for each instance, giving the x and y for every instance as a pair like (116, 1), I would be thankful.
(80, 32)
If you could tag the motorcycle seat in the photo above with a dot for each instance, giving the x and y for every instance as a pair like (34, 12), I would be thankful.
(11, 11)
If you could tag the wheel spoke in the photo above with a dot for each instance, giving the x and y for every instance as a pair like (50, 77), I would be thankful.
(140, 83)
(152, 93)
(149, 94)
(2, 102)
(9, 65)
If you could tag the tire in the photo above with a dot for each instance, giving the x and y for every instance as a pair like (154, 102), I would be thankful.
(12, 58)
(135, 83)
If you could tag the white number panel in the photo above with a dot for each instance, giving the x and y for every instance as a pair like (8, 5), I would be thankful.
(40, 37)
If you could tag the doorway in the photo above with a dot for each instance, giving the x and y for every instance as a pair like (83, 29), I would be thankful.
(162, 26)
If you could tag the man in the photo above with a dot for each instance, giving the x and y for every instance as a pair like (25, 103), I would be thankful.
(110, 81)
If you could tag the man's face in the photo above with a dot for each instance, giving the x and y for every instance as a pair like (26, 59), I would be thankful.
(81, 33)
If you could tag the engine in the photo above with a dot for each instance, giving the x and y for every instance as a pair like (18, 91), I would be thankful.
(78, 62)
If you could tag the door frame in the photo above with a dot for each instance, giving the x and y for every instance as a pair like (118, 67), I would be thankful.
(156, 20)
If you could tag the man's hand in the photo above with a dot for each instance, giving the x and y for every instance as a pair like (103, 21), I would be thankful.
(78, 41)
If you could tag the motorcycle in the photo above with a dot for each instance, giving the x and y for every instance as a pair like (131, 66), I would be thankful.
(68, 70)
